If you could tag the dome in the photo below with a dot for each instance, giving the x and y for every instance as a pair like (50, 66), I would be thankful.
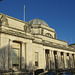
(37, 21)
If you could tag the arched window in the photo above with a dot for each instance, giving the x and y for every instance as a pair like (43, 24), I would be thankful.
(48, 35)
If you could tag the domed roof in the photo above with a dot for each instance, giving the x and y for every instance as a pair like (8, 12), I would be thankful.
(37, 21)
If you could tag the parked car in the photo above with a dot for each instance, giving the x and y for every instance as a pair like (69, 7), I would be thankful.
(38, 71)
(64, 73)
(30, 74)
(48, 73)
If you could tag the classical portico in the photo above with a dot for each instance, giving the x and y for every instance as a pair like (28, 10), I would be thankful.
(59, 60)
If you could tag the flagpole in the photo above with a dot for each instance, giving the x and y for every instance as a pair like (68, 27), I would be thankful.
(24, 12)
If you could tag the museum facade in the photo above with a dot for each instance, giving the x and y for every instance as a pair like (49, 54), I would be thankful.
(32, 45)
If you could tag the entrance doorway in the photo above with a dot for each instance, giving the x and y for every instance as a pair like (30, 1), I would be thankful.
(47, 59)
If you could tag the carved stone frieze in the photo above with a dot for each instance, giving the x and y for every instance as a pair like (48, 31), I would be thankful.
(27, 28)
(3, 20)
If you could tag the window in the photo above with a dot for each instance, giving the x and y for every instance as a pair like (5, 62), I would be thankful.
(36, 58)
(15, 57)
(16, 46)
(48, 35)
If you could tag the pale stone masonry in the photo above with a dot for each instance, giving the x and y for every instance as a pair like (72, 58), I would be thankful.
(32, 45)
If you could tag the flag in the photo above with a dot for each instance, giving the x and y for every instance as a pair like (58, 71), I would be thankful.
(24, 7)
(24, 12)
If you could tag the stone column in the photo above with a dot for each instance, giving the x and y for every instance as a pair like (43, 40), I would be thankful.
(62, 61)
(65, 60)
(4, 52)
(23, 56)
(74, 60)
(49, 60)
(52, 60)
(29, 57)
(70, 60)
(44, 59)
(59, 59)
(10, 54)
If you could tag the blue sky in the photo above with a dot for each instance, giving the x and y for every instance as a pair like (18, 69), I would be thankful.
(58, 14)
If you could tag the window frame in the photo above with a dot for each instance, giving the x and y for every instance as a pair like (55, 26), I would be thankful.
(36, 62)
(18, 57)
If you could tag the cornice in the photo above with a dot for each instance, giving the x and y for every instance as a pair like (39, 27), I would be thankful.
(35, 41)
(49, 37)
(50, 44)
(15, 33)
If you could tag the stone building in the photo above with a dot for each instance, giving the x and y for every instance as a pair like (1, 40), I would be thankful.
(32, 45)
(72, 45)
